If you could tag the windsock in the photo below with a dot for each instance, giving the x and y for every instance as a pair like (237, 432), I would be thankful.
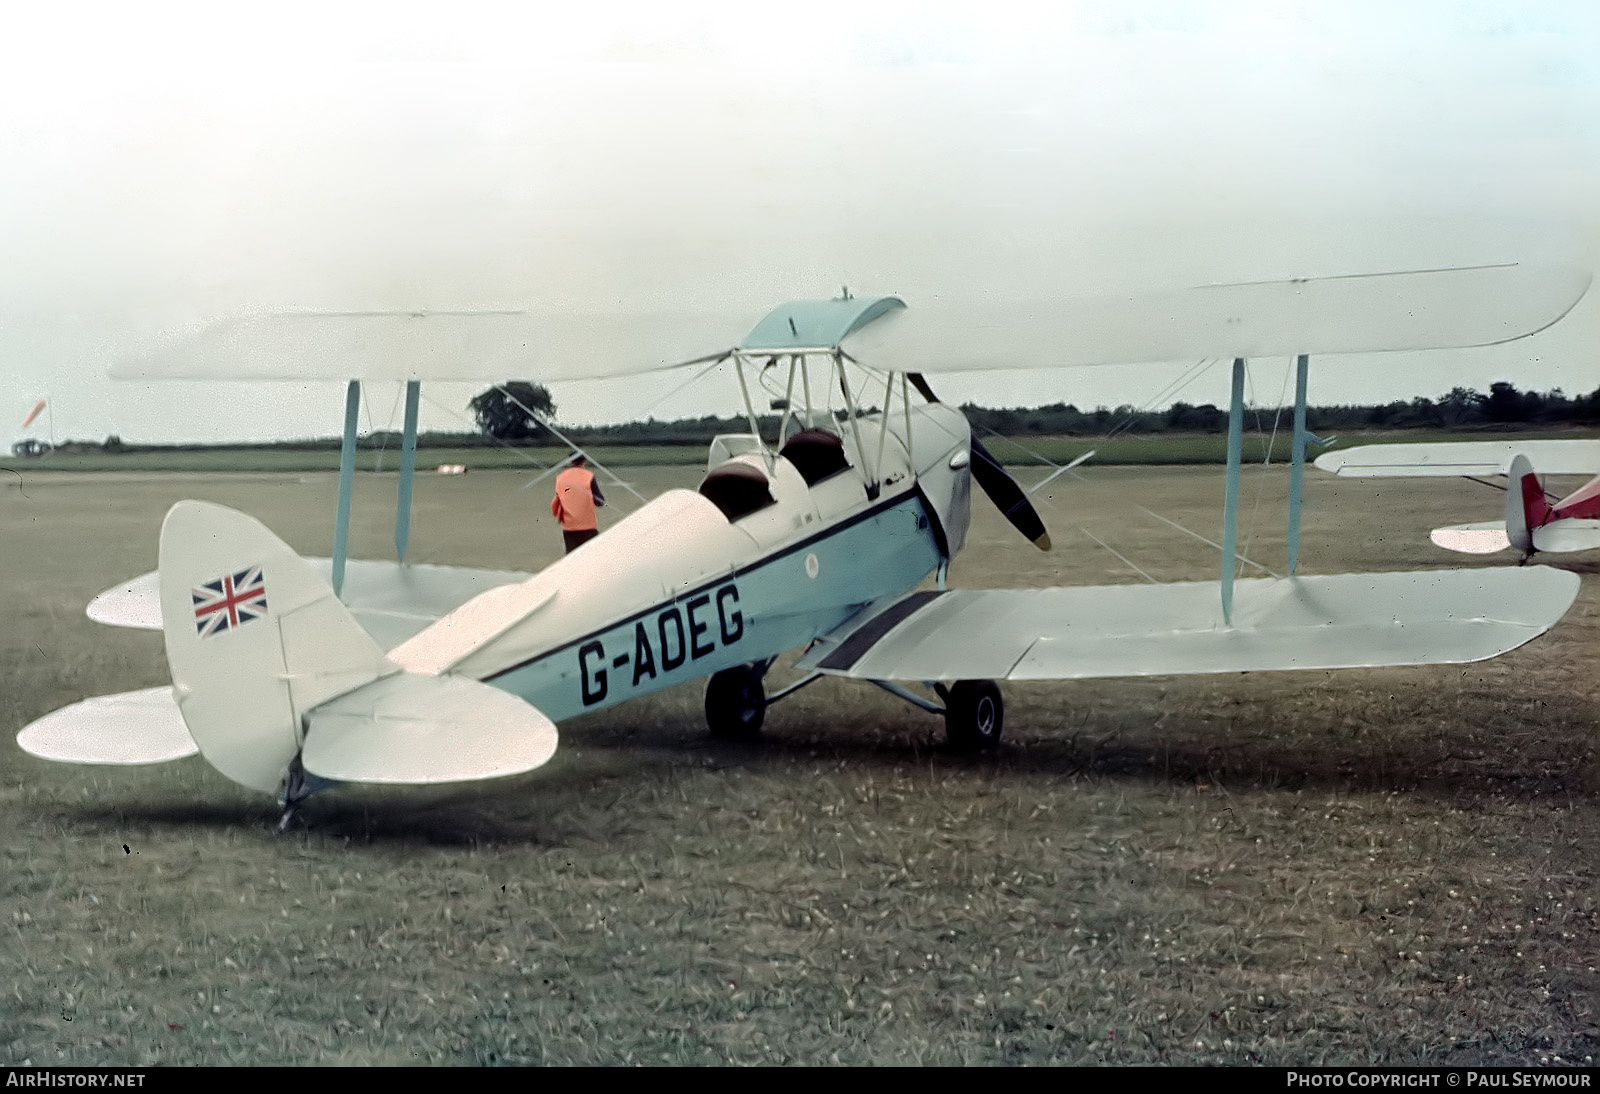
(32, 414)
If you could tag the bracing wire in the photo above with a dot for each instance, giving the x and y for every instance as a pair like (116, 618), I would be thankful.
(1124, 559)
(1184, 379)
(529, 411)
(1261, 479)
(467, 526)
(1191, 374)
(383, 435)
(718, 361)
(1147, 512)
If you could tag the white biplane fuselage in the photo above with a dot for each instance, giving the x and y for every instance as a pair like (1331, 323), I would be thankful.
(680, 589)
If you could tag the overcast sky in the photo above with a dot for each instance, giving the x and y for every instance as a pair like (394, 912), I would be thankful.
(168, 164)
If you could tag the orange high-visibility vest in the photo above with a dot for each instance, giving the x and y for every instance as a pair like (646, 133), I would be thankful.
(574, 501)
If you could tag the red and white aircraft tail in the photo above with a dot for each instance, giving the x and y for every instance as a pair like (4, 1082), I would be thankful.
(1531, 523)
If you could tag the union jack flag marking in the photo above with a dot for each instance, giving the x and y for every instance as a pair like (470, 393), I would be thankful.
(229, 601)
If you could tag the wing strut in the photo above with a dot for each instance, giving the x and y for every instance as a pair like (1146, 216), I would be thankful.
(408, 470)
(1230, 505)
(347, 474)
(1297, 467)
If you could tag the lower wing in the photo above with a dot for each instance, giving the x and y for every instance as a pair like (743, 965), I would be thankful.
(392, 602)
(1479, 459)
(1337, 621)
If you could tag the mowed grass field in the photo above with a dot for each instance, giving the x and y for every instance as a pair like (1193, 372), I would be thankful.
(1381, 866)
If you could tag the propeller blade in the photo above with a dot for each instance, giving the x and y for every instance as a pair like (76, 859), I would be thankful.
(1008, 496)
(1003, 490)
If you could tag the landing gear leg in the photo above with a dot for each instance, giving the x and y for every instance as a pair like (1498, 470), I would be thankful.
(973, 715)
(736, 702)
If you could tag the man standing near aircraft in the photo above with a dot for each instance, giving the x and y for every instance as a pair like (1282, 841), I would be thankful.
(577, 495)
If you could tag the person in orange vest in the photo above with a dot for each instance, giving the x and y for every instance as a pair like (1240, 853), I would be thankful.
(577, 495)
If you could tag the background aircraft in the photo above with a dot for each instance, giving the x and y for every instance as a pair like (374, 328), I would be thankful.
(1533, 521)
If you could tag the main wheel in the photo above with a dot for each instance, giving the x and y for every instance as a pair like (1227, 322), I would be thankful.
(973, 715)
(736, 703)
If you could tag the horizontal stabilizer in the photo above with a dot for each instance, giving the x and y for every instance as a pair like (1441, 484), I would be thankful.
(1483, 538)
(1572, 534)
(1337, 621)
(391, 601)
(425, 729)
(1478, 459)
(132, 727)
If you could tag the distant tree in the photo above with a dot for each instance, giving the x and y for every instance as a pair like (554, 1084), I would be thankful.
(499, 415)
(1505, 403)
(1586, 408)
(1460, 406)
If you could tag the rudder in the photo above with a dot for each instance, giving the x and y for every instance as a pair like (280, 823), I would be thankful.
(1526, 507)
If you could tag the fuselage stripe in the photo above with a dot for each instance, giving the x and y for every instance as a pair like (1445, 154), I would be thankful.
(720, 579)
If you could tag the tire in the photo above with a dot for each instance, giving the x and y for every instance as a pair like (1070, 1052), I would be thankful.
(736, 704)
(974, 715)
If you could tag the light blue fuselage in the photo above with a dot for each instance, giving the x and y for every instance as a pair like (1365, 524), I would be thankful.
(752, 613)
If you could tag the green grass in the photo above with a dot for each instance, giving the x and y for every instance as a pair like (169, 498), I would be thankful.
(1161, 448)
(1392, 866)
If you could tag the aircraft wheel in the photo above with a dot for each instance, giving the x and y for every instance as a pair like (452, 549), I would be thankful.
(973, 715)
(736, 703)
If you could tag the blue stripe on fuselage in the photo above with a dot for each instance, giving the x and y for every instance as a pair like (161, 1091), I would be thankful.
(754, 613)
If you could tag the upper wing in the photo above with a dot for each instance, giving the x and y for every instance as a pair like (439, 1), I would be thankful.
(1338, 621)
(1424, 309)
(1474, 458)
(391, 602)
(1363, 313)
(479, 347)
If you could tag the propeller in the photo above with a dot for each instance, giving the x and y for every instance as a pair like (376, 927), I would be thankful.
(1006, 493)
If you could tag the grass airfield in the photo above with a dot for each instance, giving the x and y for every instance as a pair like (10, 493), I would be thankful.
(1384, 866)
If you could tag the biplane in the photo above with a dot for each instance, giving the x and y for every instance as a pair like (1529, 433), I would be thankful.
(290, 676)
(1534, 520)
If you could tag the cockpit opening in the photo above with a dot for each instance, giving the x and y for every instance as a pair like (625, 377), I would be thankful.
(816, 453)
(737, 489)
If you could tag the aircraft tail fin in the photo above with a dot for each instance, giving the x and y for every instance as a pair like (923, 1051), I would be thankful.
(268, 665)
(255, 639)
(1526, 507)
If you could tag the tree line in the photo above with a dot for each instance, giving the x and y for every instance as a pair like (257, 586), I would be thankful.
(1460, 408)
(503, 416)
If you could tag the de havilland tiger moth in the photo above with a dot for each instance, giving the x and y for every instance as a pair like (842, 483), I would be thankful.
(292, 675)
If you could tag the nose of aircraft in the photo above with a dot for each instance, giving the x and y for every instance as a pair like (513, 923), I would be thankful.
(995, 481)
